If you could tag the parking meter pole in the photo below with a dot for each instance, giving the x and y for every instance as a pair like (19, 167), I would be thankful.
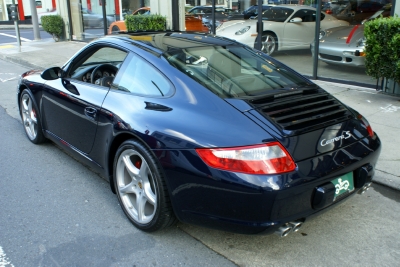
(17, 34)
(35, 21)
(14, 16)
(316, 40)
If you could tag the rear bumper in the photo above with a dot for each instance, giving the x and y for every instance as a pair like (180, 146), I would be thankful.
(254, 204)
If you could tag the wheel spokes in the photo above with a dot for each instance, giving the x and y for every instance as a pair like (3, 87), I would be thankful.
(29, 117)
(134, 180)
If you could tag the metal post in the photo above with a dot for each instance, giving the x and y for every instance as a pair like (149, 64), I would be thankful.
(260, 26)
(105, 22)
(17, 30)
(213, 17)
(35, 21)
(316, 41)
(175, 15)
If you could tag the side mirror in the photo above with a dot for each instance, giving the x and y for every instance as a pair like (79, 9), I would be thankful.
(296, 20)
(52, 73)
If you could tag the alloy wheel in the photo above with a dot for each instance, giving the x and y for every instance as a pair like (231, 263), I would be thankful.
(136, 188)
(268, 44)
(29, 117)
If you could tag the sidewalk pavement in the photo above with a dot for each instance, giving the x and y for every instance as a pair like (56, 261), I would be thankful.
(381, 110)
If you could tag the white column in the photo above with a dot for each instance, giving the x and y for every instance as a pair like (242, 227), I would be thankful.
(162, 8)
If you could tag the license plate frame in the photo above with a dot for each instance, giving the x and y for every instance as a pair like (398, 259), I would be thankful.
(343, 184)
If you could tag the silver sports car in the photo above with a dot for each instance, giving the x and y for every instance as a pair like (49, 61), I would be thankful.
(345, 45)
(342, 45)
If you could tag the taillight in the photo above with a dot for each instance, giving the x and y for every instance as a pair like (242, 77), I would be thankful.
(271, 158)
(366, 124)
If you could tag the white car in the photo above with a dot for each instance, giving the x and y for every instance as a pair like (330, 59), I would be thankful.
(286, 27)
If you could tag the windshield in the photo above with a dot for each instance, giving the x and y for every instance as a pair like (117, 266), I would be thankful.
(233, 71)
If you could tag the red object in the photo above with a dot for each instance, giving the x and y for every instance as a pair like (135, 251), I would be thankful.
(53, 4)
(116, 7)
(21, 10)
(89, 4)
(351, 34)
(367, 125)
(271, 158)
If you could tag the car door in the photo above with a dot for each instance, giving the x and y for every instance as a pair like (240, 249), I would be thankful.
(71, 104)
(299, 35)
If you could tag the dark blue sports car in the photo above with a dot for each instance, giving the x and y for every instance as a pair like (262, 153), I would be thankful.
(202, 129)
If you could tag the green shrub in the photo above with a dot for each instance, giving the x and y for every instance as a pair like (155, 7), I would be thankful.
(145, 23)
(53, 24)
(383, 48)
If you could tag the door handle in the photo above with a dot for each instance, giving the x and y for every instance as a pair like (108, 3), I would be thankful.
(90, 112)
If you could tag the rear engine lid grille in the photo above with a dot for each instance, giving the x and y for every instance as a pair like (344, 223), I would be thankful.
(307, 111)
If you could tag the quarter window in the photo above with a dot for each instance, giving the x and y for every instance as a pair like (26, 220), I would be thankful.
(140, 77)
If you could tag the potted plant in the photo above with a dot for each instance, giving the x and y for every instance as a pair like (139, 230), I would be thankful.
(383, 49)
(53, 24)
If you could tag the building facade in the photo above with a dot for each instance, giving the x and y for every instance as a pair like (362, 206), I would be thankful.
(88, 19)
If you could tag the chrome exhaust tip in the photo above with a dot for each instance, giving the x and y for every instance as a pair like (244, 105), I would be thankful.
(283, 230)
(295, 226)
(364, 188)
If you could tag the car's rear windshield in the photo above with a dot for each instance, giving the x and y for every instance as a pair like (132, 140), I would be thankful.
(233, 71)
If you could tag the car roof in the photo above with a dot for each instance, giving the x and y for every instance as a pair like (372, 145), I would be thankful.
(295, 7)
(160, 42)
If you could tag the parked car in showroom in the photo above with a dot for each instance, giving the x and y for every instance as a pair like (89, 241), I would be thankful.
(202, 129)
(285, 27)
(47, 13)
(205, 13)
(192, 23)
(91, 19)
(250, 12)
(346, 45)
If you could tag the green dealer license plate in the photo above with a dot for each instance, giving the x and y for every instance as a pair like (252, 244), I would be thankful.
(343, 184)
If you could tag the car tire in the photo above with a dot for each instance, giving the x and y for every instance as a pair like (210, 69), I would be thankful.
(141, 188)
(269, 43)
(30, 119)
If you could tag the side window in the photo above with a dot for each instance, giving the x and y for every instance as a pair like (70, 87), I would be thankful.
(278, 14)
(306, 15)
(136, 79)
(98, 65)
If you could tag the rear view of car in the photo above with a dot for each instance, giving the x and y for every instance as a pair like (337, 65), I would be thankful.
(203, 129)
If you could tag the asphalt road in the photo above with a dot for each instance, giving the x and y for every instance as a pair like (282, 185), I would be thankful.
(9, 35)
(55, 212)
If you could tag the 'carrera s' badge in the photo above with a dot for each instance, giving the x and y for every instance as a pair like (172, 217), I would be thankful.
(344, 136)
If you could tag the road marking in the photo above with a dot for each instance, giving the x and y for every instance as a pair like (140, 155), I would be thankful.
(390, 108)
(13, 76)
(13, 36)
(6, 46)
(6, 80)
(4, 261)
